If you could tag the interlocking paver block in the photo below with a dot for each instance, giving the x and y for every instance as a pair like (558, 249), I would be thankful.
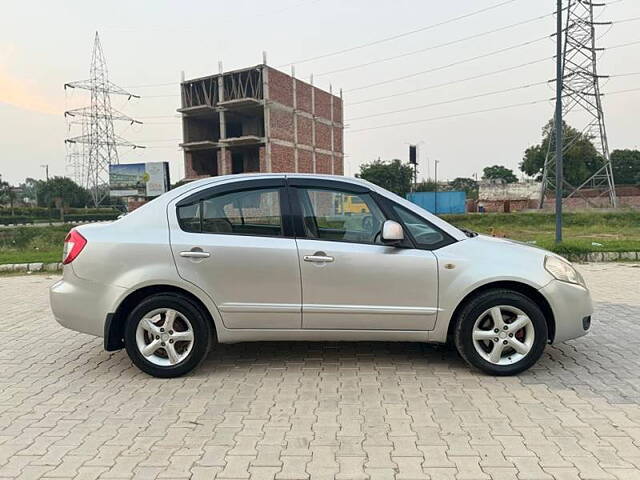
(320, 410)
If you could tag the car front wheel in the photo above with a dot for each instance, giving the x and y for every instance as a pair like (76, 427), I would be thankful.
(167, 335)
(501, 332)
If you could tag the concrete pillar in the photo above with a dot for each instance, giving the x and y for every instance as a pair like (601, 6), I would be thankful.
(267, 119)
(295, 119)
(313, 125)
(333, 161)
(222, 163)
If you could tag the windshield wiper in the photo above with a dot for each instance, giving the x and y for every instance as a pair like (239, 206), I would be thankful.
(468, 233)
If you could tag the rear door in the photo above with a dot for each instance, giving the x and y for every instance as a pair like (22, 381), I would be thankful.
(234, 241)
(350, 280)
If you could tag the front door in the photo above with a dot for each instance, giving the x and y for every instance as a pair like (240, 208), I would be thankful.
(350, 280)
(233, 244)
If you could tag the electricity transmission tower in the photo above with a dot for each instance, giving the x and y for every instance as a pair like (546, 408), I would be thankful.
(582, 99)
(98, 137)
(77, 153)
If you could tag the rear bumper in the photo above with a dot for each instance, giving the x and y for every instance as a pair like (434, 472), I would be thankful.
(82, 305)
(572, 306)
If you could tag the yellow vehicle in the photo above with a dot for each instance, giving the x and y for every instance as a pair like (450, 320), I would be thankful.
(352, 204)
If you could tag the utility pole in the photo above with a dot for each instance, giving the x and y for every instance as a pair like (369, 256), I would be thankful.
(48, 197)
(558, 122)
(435, 199)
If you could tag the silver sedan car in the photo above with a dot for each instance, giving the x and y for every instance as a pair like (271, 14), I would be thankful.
(308, 257)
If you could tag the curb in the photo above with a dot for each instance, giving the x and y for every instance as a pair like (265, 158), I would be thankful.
(604, 257)
(31, 267)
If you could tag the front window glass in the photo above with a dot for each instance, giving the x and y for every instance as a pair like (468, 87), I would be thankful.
(341, 216)
(423, 233)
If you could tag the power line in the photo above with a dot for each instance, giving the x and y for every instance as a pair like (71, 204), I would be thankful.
(626, 74)
(617, 92)
(161, 96)
(400, 35)
(163, 140)
(633, 19)
(161, 116)
(452, 82)
(443, 67)
(442, 117)
(622, 45)
(456, 115)
(627, 20)
(153, 85)
(492, 109)
(440, 45)
(471, 97)
(446, 102)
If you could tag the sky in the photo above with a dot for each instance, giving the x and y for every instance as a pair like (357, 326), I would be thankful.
(148, 43)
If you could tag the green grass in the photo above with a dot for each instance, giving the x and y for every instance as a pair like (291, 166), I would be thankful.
(34, 256)
(615, 232)
(32, 244)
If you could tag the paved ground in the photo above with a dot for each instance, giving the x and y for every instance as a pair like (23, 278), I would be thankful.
(338, 411)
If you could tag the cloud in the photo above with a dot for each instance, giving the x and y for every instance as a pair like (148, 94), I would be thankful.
(22, 93)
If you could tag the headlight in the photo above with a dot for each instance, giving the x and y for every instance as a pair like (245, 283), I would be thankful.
(563, 271)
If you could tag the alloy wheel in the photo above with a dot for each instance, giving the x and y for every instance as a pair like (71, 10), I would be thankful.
(164, 336)
(503, 335)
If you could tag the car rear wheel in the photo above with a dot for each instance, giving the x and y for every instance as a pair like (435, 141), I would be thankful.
(167, 335)
(501, 332)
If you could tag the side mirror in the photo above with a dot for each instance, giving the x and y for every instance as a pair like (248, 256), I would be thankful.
(392, 233)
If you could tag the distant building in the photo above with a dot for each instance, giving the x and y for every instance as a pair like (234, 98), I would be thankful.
(259, 119)
(496, 196)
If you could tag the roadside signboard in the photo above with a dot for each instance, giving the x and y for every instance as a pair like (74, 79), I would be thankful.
(138, 179)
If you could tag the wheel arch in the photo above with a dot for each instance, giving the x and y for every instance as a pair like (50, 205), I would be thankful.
(115, 323)
(523, 288)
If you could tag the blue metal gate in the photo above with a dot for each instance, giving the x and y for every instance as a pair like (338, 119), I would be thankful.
(441, 202)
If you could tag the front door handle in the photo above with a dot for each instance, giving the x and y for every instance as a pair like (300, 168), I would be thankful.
(195, 254)
(318, 257)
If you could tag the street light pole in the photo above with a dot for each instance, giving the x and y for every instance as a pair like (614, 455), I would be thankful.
(558, 122)
(436, 187)
(46, 172)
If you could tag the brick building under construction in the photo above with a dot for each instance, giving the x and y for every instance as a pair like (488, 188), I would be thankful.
(259, 119)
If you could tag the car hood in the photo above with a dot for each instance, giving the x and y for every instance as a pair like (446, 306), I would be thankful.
(498, 244)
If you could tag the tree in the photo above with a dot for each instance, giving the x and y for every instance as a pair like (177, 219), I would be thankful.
(580, 159)
(467, 185)
(64, 193)
(393, 176)
(499, 172)
(428, 186)
(8, 194)
(626, 166)
(29, 190)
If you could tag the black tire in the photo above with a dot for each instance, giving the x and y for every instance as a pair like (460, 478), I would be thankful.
(479, 304)
(200, 323)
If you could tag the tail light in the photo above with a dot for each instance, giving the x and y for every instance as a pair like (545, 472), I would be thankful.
(73, 245)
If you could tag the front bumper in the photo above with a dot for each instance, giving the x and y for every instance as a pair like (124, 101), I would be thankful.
(82, 305)
(572, 306)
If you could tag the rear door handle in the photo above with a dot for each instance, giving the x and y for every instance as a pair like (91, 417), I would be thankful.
(195, 254)
(318, 258)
